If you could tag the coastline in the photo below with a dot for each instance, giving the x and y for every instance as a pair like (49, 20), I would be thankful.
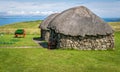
(11, 20)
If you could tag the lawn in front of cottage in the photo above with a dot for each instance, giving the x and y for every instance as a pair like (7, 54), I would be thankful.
(44, 60)
(8, 40)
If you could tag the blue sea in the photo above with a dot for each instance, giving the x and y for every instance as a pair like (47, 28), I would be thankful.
(10, 20)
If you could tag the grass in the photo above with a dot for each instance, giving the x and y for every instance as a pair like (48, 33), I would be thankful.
(9, 40)
(7, 34)
(27, 24)
(115, 25)
(31, 27)
(43, 60)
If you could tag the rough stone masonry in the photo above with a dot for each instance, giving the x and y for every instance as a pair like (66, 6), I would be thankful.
(100, 42)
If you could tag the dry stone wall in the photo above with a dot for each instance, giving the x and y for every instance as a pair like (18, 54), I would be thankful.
(45, 35)
(85, 43)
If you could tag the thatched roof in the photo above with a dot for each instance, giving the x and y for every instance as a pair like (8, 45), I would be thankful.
(45, 23)
(79, 21)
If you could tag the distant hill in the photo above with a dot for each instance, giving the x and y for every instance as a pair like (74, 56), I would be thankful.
(31, 27)
(27, 24)
(115, 25)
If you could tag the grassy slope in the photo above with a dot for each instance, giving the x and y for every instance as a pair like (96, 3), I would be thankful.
(43, 60)
(27, 24)
(31, 27)
(115, 25)
(10, 41)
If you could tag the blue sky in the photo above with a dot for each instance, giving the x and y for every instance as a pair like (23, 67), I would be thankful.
(103, 8)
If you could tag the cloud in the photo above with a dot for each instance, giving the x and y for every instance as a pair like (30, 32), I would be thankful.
(32, 8)
(101, 8)
(30, 13)
(12, 5)
(105, 9)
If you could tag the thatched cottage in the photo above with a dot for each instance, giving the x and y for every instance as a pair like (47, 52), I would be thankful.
(79, 28)
(43, 26)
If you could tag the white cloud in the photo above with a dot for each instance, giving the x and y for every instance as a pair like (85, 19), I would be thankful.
(12, 5)
(16, 13)
(32, 8)
(103, 9)
(30, 12)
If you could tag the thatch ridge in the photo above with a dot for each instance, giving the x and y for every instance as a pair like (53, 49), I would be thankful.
(79, 21)
(46, 22)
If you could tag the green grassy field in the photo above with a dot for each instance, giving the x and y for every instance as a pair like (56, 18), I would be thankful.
(10, 41)
(44, 60)
(31, 27)
(7, 34)
(115, 25)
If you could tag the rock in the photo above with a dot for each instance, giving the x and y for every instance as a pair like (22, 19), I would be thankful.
(88, 43)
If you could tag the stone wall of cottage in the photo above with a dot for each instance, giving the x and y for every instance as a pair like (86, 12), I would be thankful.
(45, 34)
(100, 42)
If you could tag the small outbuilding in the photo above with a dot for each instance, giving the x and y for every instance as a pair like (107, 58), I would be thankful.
(79, 28)
(20, 33)
(43, 26)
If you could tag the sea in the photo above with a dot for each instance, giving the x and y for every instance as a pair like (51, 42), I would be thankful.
(10, 20)
(16, 19)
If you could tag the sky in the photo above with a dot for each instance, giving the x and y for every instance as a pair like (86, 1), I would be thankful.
(103, 8)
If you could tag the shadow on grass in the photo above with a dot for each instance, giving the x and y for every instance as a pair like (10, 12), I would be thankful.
(41, 42)
(44, 44)
(37, 39)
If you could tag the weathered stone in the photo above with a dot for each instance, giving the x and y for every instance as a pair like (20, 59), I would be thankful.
(96, 49)
(104, 46)
(85, 43)
(89, 49)
(108, 44)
